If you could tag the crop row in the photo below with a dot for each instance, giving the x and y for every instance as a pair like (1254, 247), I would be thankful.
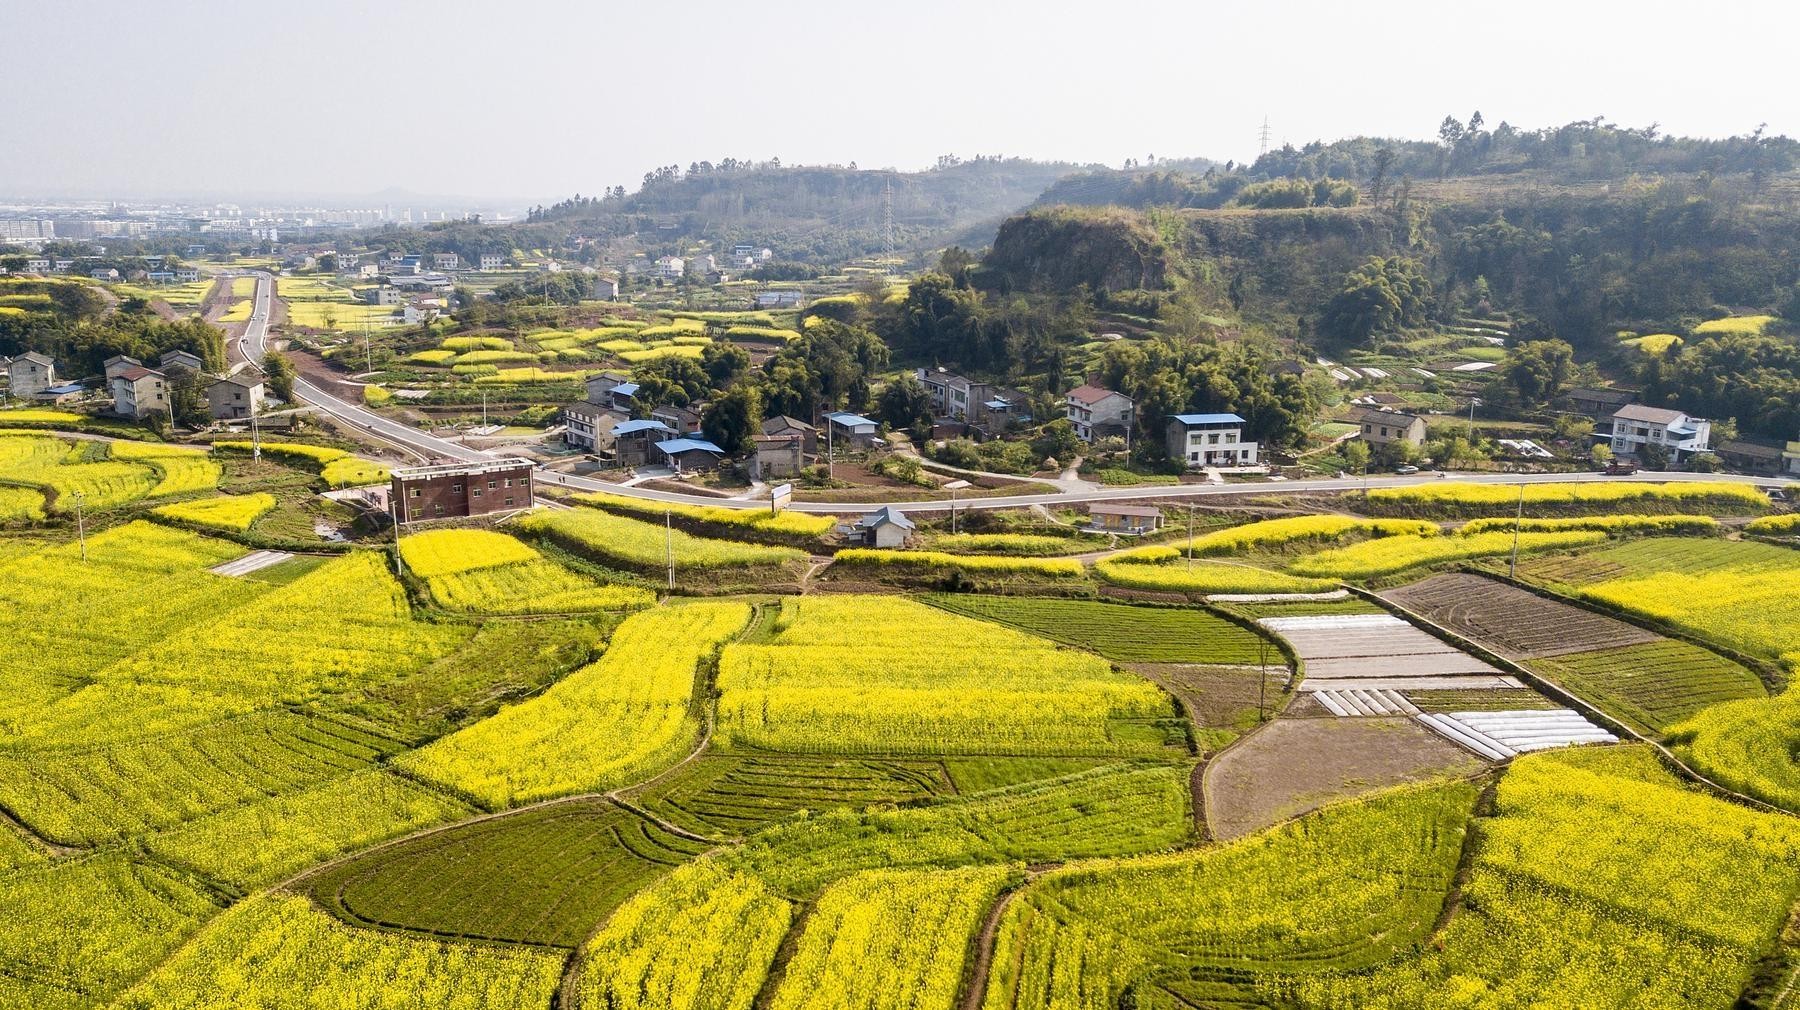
(541, 876)
(1108, 811)
(228, 512)
(1664, 525)
(1388, 555)
(985, 564)
(1205, 578)
(876, 674)
(881, 933)
(73, 932)
(605, 725)
(280, 952)
(724, 796)
(1117, 631)
(1603, 885)
(95, 795)
(1275, 533)
(1464, 497)
(1343, 888)
(1655, 684)
(729, 925)
(721, 519)
(647, 546)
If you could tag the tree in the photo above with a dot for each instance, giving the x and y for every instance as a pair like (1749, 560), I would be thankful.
(723, 362)
(1601, 454)
(1384, 159)
(187, 401)
(1356, 455)
(1383, 296)
(1655, 457)
(280, 374)
(1534, 373)
(1058, 439)
(904, 403)
(731, 420)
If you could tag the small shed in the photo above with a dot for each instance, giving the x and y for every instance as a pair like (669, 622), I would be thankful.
(885, 527)
(686, 454)
(1132, 520)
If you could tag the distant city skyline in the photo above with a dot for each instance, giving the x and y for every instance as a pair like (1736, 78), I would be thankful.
(459, 103)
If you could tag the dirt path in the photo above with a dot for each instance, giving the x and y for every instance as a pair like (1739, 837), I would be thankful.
(981, 968)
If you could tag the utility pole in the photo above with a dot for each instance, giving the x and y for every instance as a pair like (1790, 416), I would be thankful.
(80, 526)
(395, 507)
(669, 544)
(1190, 564)
(1262, 684)
(255, 437)
(954, 486)
(1264, 136)
(830, 455)
(484, 408)
(887, 245)
(1518, 521)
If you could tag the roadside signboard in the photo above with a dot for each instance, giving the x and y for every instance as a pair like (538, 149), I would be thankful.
(779, 496)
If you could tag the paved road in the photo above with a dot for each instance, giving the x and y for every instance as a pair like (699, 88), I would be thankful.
(424, 446)
(253, 345)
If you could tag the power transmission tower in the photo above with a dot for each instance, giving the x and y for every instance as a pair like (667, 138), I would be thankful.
(1264, 136)
(887, 213)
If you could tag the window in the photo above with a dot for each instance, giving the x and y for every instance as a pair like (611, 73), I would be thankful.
(413, 493)
(509, 502)
(418, 513)
(437, 510)
(490, 485)
(475, 493)
(456, 489)
(509, 482)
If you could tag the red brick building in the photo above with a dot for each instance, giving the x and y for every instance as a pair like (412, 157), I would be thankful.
(455, 490)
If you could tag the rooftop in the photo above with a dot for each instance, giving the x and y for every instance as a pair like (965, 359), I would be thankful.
(885, 515)
(848, 419)
(464, 469)
(1649, 415)
(630, 427)
(677, 446)
(1090, 394)
(1195, 420)
(1105, 509)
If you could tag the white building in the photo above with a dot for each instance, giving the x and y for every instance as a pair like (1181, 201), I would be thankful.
(30, 373)
(1090, 407)
(1201, 440)
(670, 268)
(1636, 426)
(491, 261)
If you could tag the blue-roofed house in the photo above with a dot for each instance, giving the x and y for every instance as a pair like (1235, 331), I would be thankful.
(62, 393)
(1202, 440)
(634, 442)
(613, 390)
(685, 454)
(851, 430)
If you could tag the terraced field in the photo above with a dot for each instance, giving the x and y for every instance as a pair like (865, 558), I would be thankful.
(727, 796)
(1512, 621)
(1131, 634)
(543, 876)
(1648, 681)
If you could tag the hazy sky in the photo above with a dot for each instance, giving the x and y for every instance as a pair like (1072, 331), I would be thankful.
(537, 99)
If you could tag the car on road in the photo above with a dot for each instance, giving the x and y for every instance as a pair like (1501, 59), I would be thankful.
(1406, 470)
(1621, 468)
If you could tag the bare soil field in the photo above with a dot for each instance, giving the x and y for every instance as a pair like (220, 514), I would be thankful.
(1294, 765)
(1512, 621)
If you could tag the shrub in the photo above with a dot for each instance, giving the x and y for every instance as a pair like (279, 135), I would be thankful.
(1061, 568)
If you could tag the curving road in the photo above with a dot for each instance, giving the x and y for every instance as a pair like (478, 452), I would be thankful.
(253, 345)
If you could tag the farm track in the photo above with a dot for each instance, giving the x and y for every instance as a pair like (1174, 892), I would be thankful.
(980, 967)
